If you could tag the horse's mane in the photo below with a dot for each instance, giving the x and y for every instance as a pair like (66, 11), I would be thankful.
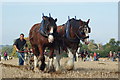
(50, 18)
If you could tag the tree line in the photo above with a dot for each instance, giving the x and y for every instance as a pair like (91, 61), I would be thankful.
(104, 50)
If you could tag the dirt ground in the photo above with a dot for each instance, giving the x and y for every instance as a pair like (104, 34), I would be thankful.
(88, 69)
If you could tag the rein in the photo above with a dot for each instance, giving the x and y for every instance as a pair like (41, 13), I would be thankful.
(24, 51)
(81, 37)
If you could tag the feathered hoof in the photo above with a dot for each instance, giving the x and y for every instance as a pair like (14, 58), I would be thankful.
(42, 67)
(36, 70)
(69, 68)
(58, 71)
(69, 65)
(50, 69)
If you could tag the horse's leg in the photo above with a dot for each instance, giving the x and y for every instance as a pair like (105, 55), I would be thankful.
(78, 50)
(42, 57)
(25, 63)
(35, 58)
(57, 62)
(77, 59)
(42, 66)
(35, 64)
(70, 62)
(50, 67)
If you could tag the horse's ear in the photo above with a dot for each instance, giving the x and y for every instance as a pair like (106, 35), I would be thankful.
(42, 14)
(68, 17)
(43, 18)
(75, 17)
(49, 15)
(56, 20)
(88, 21)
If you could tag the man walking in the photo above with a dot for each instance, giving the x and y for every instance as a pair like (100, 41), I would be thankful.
(20, 45)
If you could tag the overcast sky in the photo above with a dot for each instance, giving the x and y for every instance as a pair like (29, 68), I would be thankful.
(19, 17)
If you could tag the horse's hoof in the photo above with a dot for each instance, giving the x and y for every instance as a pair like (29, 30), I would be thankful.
(58, 71)
(31, 67)
(36, 70)
(69, 65)
(49, 69)
(52, 69)
(42, 67)
(69, 68)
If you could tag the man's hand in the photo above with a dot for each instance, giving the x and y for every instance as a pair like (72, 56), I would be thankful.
(16, 48)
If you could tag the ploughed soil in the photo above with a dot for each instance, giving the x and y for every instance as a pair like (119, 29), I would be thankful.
(89, 69)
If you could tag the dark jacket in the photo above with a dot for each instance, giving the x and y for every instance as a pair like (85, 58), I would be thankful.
(20, 44)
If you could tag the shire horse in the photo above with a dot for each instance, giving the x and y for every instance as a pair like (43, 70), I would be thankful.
(71, 33)
(42, 35)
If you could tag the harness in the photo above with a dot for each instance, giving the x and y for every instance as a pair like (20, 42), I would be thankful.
(67, 35)
(67, 31)
(81, 38)
(42, 29)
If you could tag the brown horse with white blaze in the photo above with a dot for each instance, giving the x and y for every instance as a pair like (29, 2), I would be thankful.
(71, 33)
(42, 35)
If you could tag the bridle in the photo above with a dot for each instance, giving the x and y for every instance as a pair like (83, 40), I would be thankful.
(80, 29)
(43, 28)
(81, 33)
(81, 38)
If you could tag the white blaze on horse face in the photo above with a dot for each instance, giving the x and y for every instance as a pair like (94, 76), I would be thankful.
(86, 41)
(50, 37)
(86, 34)
(86, 30)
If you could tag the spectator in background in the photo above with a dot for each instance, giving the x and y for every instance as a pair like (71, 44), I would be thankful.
(114, 56)
(87, 56)
(91, 57)
(98, 56)
(118, 55)
(95, 56)
(0, 56)
(5, 55)
(111, 55)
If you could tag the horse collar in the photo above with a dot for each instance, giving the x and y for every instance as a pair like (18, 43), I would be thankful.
(42, 29)
(67, 33)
